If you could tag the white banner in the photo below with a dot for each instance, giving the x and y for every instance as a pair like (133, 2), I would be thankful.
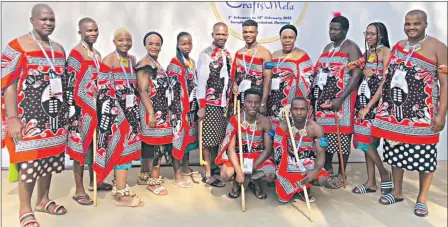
(197, 18)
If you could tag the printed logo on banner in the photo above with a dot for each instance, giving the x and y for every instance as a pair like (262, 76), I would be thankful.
(270, 16)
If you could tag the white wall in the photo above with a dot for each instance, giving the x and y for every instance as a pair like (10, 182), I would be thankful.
(197, 18)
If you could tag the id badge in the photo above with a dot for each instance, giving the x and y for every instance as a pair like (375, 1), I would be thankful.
(275, 84)
(322, 78)
(56, 86)
(399, 75)
(248, 165)
(244, 85)
(168, 96)
(130, 100)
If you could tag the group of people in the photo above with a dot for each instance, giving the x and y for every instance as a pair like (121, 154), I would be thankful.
(135, 109)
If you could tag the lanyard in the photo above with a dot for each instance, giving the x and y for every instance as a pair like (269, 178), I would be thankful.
(251, 60)
(45, 53)
(95, 60)
(164, 72)
(284, 59)
(250, 142)
(413, 48)
(122, 67)
(192, 68)
(334, 52)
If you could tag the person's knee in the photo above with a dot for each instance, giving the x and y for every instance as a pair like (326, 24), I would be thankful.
(269, 177)
(227, 173)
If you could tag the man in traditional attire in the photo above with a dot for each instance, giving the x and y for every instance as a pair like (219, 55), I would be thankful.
(214, 93)
(256, 144)
(412, 110)
(252, 67)
(34, 112)
(83, 65)
(310, 147)
(333, 91)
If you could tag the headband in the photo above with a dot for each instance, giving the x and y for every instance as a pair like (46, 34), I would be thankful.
(151, 34)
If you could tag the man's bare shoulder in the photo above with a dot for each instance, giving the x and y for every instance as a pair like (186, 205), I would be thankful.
(283, 125)
(265, 122)
(436, 43)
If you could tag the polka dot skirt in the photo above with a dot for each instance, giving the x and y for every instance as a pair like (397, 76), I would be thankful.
(30, 171)
(333, 146)
(214, 126)
(411, 157)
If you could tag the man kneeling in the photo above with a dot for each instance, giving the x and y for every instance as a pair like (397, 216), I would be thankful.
(309, 139)
(256, 148)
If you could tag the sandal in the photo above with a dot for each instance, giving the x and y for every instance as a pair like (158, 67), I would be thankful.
(102, 187)
(85, 198)
(115, 190)
(386, 186)
(301, 196)
(261, 195)
(136, 202)
(421, 207)
(183, 184)
(335, 182)
(216, 183)
(362, 189)
(29, 222)
(192, 173)
(143, 178)
(158, 190)
(156, 182)
(53, 211)
(390, 199)
(234, 194)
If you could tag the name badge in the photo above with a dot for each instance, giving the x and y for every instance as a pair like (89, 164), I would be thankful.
(322, 78)
(56, 86)
(168, 96)
(399, 80)
(244, 85)
(248, 166)
(130, 100)
(275, 85)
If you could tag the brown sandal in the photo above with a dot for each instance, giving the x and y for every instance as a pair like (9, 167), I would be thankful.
(136, 201)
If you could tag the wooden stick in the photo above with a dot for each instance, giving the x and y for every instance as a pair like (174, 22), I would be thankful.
(95, 185)
(240, 144)
(234, 103)
(201, 156)
(296, 154)
(336, 119)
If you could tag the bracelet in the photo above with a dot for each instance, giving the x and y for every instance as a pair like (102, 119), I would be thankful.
(12, 117)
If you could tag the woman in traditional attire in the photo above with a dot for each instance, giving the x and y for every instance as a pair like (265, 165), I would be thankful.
(183, 68)
(290, 75)
(120, 72)
(159, 112)
(369, 92)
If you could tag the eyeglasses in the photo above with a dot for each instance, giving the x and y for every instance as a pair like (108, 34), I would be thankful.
(370, 34)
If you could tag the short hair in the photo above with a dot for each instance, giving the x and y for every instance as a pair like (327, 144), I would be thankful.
(219, 24)
(299, 99)
(85, 20)
(248, 23)
(341, 20)
(253, 91)
(416, 12)
(36, 8)
(121, 30)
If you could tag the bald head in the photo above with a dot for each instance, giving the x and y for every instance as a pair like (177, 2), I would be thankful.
(38, 8)
(417, 12)
(219, 25)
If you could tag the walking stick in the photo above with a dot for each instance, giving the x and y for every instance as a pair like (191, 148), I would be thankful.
(201, 156)
(240, 144)
(234, 103)
(340, 146)
(95, 184)
(296, 155)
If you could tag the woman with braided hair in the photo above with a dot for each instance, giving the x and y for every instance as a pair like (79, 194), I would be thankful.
(369, 92)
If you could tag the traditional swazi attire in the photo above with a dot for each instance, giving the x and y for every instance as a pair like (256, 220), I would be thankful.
(214, 91)
(293, 79)
(171, 128)
(366, 91)
(409, 102)
(42, 108)
(95, 97)
(185, 107)
(251, 138)
(124, 81)
(333, 76)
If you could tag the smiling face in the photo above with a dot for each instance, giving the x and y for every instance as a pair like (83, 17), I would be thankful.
(153, 45)
(185, 44)
(89, 32)
(250, 34)
(43, 21)
(288, 39)
(415, 26)
(123, 42)
(220, 35)
(372, 35)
